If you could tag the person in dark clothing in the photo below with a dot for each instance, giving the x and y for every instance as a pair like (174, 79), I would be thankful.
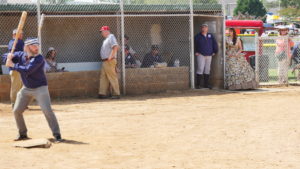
(205, 47)
(296, 57)
(296, 53)
(16, 82)
(152, 57)
(129, 59)
(131, 51)
(20, 43)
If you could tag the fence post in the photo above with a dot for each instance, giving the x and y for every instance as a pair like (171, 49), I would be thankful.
(287, 43)
(257, 47)
(224, 44)
(123, 46)
(192, 65)
(38, 7)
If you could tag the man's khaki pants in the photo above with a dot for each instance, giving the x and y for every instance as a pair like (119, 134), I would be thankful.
(16, 85)
(109, 77)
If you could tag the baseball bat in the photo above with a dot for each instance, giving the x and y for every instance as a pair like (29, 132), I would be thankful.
(41, 21)
(19, 30)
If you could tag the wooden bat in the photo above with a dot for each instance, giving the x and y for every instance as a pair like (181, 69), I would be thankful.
(19, 30)
(41, 22)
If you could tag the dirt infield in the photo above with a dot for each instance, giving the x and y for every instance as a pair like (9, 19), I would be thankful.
(187, 130)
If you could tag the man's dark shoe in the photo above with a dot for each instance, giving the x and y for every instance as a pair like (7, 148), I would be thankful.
(58, 138)
(115, 97)
(102, 97)
(22, 137)
(206, 81)
(208, 87)
(199, 81)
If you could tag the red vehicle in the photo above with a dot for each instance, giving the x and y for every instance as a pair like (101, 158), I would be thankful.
(250, 27)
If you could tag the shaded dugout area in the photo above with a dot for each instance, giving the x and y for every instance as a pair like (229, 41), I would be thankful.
(73, 30)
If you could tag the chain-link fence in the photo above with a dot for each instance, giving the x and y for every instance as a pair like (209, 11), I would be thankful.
(276, 60)
(9, 21)
(151, 33)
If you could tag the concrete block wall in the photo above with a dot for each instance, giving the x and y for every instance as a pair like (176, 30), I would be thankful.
(73, 84)
(62, 84)
(155, 80)
(86, 84)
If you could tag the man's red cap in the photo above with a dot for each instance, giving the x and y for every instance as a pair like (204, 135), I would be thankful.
(104, 28)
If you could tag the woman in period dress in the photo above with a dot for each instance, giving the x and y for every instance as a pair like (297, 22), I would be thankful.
(238, 73)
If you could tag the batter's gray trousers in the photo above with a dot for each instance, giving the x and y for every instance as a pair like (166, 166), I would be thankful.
(41, 94)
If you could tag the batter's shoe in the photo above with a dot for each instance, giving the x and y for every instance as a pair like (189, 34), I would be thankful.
(22, 137)
(58, 138)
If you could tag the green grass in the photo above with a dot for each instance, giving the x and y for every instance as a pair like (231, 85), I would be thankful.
(273, 76)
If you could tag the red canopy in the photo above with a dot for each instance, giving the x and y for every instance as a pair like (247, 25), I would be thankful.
(244, 23)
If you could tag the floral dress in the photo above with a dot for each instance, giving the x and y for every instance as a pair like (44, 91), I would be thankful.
(238, 73)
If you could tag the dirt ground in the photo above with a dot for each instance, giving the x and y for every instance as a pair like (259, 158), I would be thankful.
(188, 130)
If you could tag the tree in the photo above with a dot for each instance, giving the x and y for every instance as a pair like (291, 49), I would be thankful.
(291, 8)
(270, 4)
(290, 3)
(290, 12)
(251, 7)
